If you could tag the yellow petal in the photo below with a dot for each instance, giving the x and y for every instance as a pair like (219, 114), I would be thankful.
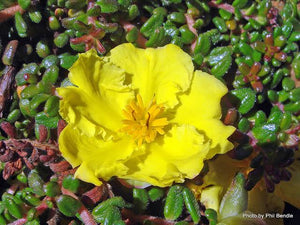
(218, 133)
(159, 73)
(289, 191)
(211, 197)
(201, 108)
(221, 171)
(93, 75)
(178, 155)
(202, 101)
(86, 174)
(95, 106)
(98, 158)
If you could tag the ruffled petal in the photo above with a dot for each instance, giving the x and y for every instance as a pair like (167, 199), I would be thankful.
(92, 154)
(93, 75)
(221, 171)
(161, 73)
(177, 156)
(217, 133)
(95, 106)
(201, 108)
(202, 101)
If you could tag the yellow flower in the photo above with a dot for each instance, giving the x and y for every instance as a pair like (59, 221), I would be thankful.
(141, 114)
(221, 172)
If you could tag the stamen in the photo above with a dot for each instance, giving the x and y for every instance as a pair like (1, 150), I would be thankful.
(142, 123)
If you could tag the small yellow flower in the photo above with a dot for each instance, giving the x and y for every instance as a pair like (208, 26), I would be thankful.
(221, 172)
(141, 114)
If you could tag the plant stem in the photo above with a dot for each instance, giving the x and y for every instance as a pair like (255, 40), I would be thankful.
(8, 13)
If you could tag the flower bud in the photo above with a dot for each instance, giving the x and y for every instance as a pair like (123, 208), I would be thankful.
(235, 199)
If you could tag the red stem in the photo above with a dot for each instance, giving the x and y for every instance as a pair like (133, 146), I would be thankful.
(190, 22)
(19, 222)
(8, 13)
(85, 215)
(139, 219)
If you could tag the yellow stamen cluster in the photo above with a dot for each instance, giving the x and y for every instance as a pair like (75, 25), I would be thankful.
(143, 123)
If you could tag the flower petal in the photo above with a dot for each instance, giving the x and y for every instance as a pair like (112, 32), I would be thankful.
(178, 155)
(211, 197)
(201, 108)
(218, 133)
(162, 72)
(92, 154)
(202, 101)
(95, 106)
(221, 171)
(86, 174)
(92, 74)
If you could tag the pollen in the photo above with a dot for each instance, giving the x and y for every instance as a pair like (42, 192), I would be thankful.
(142, 122)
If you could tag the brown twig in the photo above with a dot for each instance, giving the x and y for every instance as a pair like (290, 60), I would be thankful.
(8, 13)
(139, 219)
(190, 22)
(19, 222)
(86, 216)
(6, 82)
(19, 152)
(94, 195)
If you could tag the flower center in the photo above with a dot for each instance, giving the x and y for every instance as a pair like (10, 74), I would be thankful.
(143, 123)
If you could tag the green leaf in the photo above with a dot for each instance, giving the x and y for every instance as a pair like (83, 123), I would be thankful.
(158, 38)
(221, 67)
(109, 216)
(71, 183)
(174, 203)
(155, 194)
(67, 60)
(68, 205)
(218, 54)
(108, 6)
(239, 3)
(44, 119)
(29, 70)
(247, 99)
(21, 25)
(140, 199)
(265, 133)
(203, 44)
(13, 208)
(115, 201)
(220, 59)
(275, 116)
(235, 200)
(191, 204)
(153, 23)
(36, 183)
